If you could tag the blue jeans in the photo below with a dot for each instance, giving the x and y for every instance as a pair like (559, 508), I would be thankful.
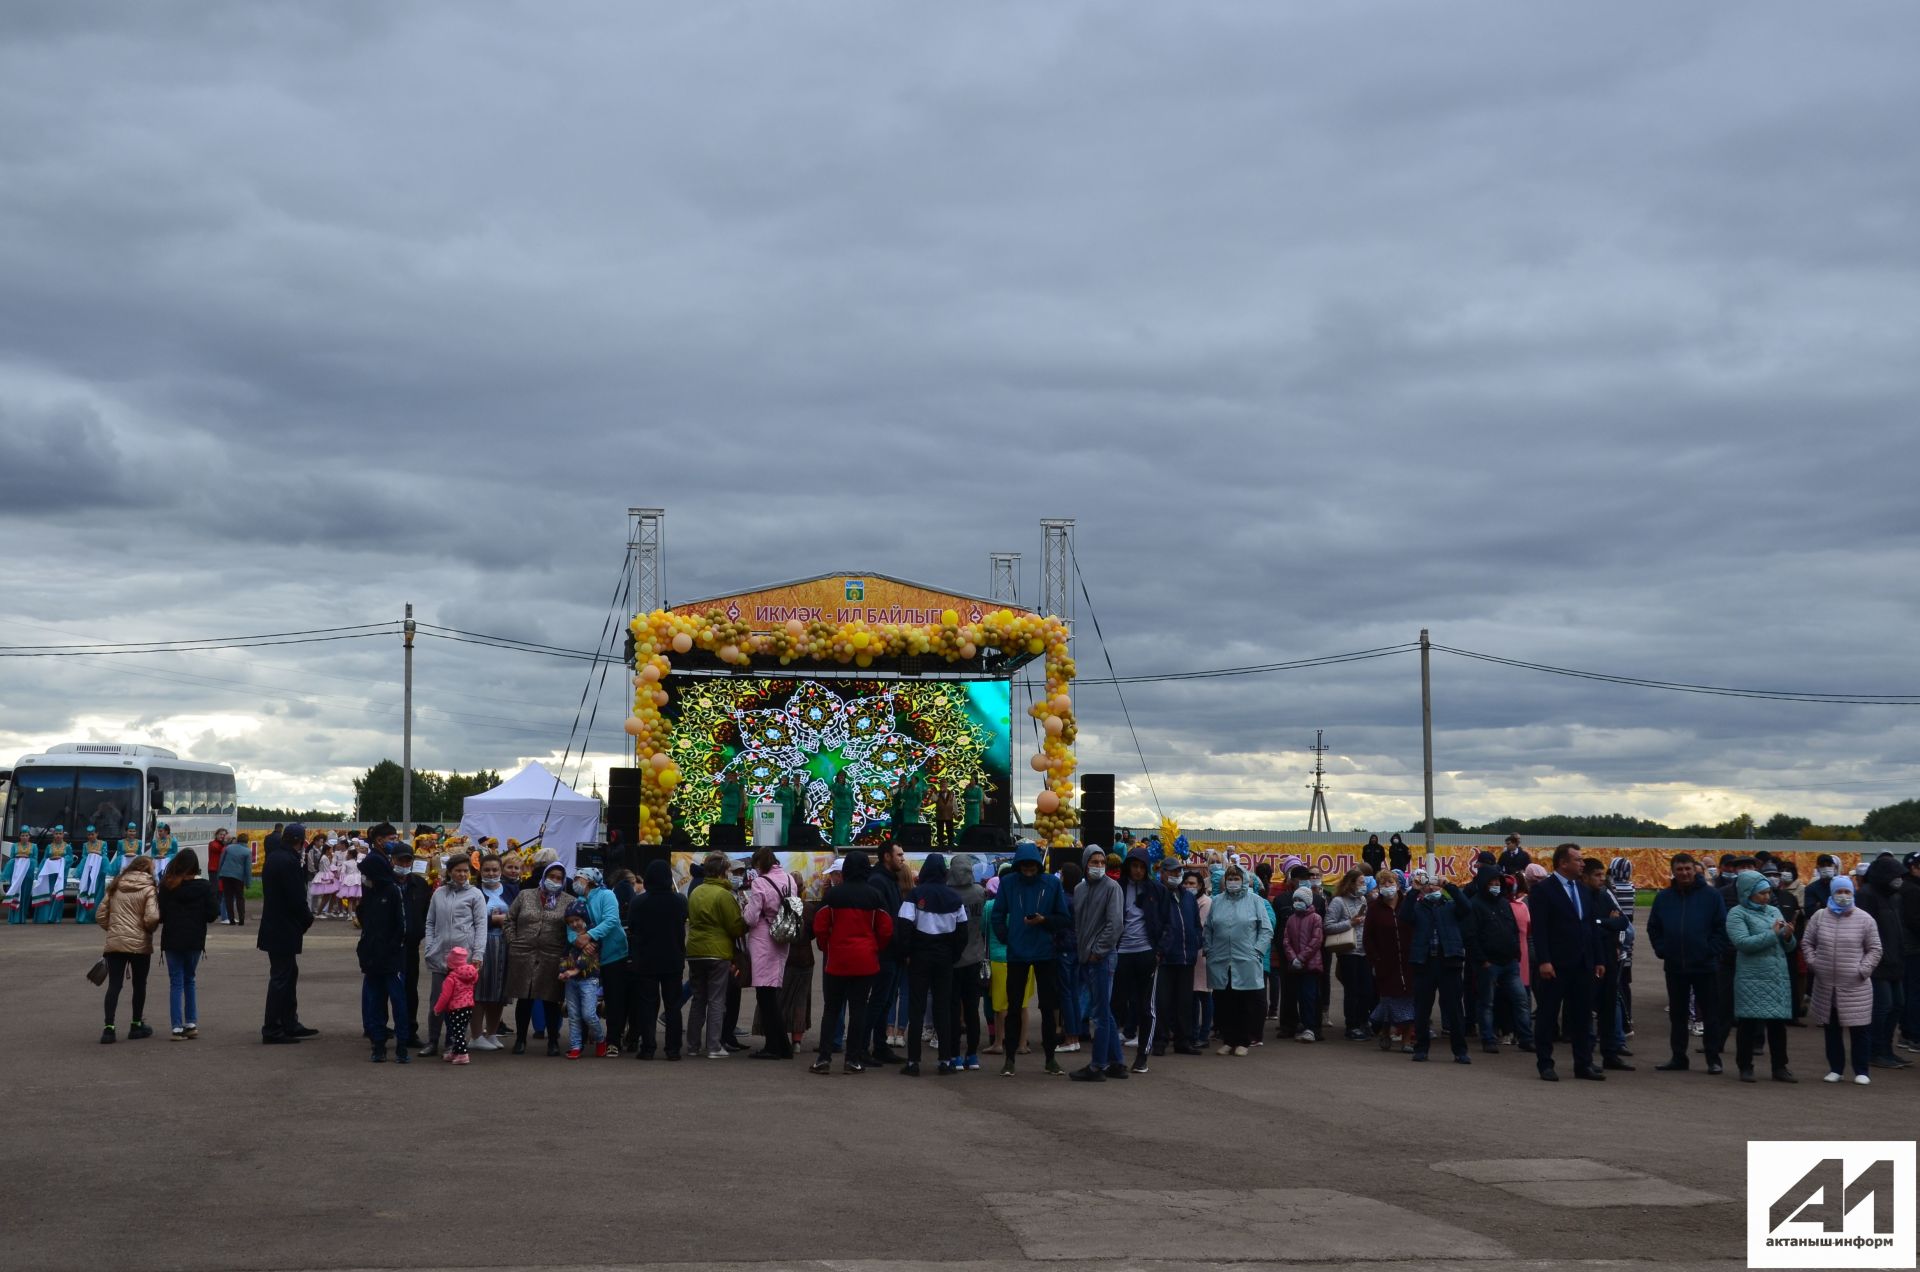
(181, 1003)
(1073, 997)
(1202, 1017)
(1886, 1011)
(378, 994)
(1310, 1000)
(583, 1008)
(1502, 980)
(1098, 979)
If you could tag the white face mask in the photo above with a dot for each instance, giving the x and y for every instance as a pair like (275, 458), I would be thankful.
(1235, 887)
(1493, 892)
(1825, 872)
(1389, 893)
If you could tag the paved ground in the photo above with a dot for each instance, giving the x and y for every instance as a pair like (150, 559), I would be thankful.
(222, 1154)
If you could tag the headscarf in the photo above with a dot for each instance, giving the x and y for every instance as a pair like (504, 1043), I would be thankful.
(1841, 883)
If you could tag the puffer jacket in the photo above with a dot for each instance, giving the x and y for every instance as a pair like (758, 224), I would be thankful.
(130, 913)
(1841, 951)
(1762, 983)
(764, 899)
(456, 918)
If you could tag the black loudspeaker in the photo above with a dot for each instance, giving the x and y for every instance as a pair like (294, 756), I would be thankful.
(914, 837)
(623, 806)
(623, 786)
(1096, 809)
(721, 838)
(590, 855)
(804, 838)
(985, 839)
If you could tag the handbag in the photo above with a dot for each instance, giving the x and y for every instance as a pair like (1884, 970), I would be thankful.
(785, 928)
(1339, 942)
(98, 972)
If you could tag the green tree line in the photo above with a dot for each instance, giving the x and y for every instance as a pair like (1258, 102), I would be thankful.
(437, 797)
(1897, 823)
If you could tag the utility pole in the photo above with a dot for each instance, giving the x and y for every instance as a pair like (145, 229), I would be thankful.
(1317, 818)
(1426, 727)
(406, 736)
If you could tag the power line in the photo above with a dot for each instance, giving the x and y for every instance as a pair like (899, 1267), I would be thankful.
(1114, 677)
(1769, 695)
(109, 651)
(371, 629)
(1326, 660)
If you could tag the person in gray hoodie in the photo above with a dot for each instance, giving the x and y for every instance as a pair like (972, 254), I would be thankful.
(1098, 923)
(970, 971)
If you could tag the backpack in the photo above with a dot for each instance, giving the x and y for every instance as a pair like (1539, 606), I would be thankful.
(786, 927)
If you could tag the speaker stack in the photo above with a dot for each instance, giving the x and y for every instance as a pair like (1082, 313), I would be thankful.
(914, 837)
(623, 807)
(1096, 809)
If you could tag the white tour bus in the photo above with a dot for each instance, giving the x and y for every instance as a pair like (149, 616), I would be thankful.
(104, 785)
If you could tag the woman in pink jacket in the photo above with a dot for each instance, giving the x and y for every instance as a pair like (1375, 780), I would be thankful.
(1842, 947)
(765, 895)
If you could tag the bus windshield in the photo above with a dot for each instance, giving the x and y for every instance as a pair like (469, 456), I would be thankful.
(45, 797)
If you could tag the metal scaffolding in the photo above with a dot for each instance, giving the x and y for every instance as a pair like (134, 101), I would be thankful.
(1003, 582)
(646, 552)
(1056, 568)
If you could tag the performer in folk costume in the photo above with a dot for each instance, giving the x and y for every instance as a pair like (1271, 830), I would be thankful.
(733, 800)
(163, 849)
(842, 806)
(946, 811)
(786, 797)
(16, 882)
(974, 798)
(89, 877)
(125, 849)
(50, 880)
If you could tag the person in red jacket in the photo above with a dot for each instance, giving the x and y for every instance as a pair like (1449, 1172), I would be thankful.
(851, 927)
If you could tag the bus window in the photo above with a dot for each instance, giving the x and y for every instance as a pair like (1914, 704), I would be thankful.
(107, 799)
(202, 792)
(228, 805)
(168, 783)
(42, 798)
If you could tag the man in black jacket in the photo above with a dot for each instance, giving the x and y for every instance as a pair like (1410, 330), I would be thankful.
(284, 920)
(383, 955)
(1687, 927)
(416, 894)
(1493, 950)
(657, 937)
(1514, 860)
(887, 982)
(1610, 923)
(1879, 896)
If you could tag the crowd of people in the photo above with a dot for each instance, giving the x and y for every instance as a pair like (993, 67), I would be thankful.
(41, 875)
(1163, 955)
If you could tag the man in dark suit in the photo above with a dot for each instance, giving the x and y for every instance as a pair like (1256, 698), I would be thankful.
(1567, 965)
(284, 920)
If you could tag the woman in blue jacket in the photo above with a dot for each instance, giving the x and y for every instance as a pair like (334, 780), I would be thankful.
(1239, 937)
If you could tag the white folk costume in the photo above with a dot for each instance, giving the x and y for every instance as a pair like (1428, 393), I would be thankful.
(50, 883)
(89, 879)
(16, 880)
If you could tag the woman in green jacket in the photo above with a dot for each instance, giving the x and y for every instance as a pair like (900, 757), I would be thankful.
(1762, 980)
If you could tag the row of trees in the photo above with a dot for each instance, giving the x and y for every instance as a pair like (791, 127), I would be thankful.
(437, 797)
(1898, 823)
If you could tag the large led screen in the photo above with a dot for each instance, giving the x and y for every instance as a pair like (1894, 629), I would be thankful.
(877, 731)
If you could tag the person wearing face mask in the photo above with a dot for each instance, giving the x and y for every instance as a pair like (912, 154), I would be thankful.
(382, 951)
(1300, 946)
(1842, 947)
(1762, 991)
(535, 937)
(1399, 856)
(1437, 948)
(456, 919)
(609, 935)
(1173, 1007)
(1879, 896)
(1374, 855)
(1097, 923)
(1346, 915)
(1384, 938)
(489, 995)
(284, 920)
(1493, 956)
(1239, 933)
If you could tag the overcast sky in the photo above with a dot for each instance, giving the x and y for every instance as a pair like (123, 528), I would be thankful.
(1578, 334)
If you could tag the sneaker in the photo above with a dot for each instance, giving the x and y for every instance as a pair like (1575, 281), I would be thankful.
(820, 1066)
(1116, 1072)
(1052, 1068)
(1833, 1077)
(1861, 1079)
(479, 1043)
(1239, 1051)
(403, 1055)
(600, 1049)
(462, 1059)
(971, 1062)
(180, 1035)
(573, 1053)
(719, 1053)
(911, 1069)
(193, 1030)
(1139, 1064)
(1908, 1044)
(106, 1035)
(853, 1066)
(1697, 1029)
(1225, 1050)
(380, 1053)
(139, 1030)
(1088, 1074)
(1305, 1035)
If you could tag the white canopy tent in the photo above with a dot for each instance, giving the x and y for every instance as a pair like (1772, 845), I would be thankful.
(517, 807)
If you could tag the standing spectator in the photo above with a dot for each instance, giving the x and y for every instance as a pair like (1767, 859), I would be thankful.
(1066, 957)
(382, 951)
(1145, 917)
(1385, 939)
(535, 934)
(1779, 875)
(1910, 934)
(852, 926)
(884, 878)
(609, 936)
(657, 930)
(490, 995)
(129, 913)
(1566, 965)
(1300, 942)
(1374, 855)
(187, 906)
(1437, 948)
(1173, 1004)
(1880, 897)
(456, 920)
(284, 920)
(1609, 1004)
(454, 999)
(1514, 859)
(216, 848)
(1097, 923)
(1762, 991)
(932, 930)
(1688, 929)
(1346, 916)
(1842, 946)
(970, 970)
(416, 895)
(1399, 856)
(714, 922)
(1493, 946)
(235, 873)
(1239, 932)
(766, 896)
(580, 974)
(1028, 910)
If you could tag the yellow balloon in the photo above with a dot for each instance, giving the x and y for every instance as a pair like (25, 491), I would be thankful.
(669, 778)
(861, 640)
(949, 618)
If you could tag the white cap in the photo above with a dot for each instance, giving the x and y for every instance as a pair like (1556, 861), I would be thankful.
(839, 866)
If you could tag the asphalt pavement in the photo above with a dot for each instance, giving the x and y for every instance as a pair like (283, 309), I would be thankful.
(223, 1154)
